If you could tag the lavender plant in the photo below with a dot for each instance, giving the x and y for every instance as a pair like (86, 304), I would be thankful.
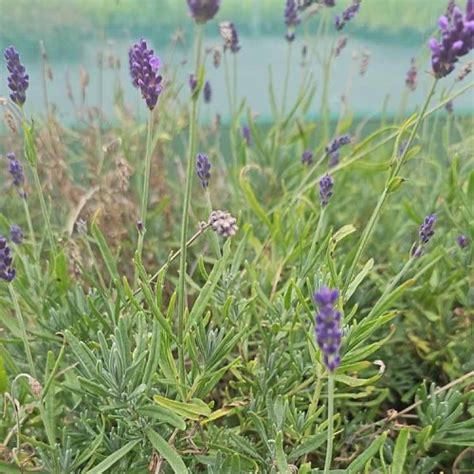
(196, 352)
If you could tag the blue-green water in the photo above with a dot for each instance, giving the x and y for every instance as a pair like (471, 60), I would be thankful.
(382, 87)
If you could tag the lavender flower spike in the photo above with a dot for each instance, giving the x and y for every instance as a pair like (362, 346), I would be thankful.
(203, 169)
(203, 10)
(15, 169)
(410, 80)
(347, 15)
(246, 134)
(457, 39)
(307, 157)
(325, 189)
(144, 67)
(462, 241)
(16, 234)
(18, 80)
(328, 327)
(207, 93)
(230, 36)
(223, 223)
(292, 19)
(425, 233)
(7, 272)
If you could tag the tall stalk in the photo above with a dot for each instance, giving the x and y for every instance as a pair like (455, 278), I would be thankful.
(327, 462)
(146, 185)
(44, 209)
(185, 217)
(398, 163)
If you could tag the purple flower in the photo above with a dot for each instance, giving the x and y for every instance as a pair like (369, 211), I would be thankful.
(347, 15)
(425, 233)
(457, 39)
(325, 189)
(307, 157)
(292, 20)
(223, 223)
(410, 80)
(207, 92)
(7, 272)
(230, 36)
(144, 67)
(203, 10)
(340, 45)
(15, 169)
(16, 234)
(329, 3)
(203, 169)
(337, 143)
(462, 241)
(334, 159)
(328, 327)
(246, 135)
(193, 82)
(18, 80)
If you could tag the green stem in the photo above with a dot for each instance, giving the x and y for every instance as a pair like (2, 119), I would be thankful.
(234, 72)
(31, 364)
(30, 226)
(21, 323)
(185, 222)
(146, 185)
(327, 463)
(378, 208)
(286, 80)
(228, 87)
(44, 209)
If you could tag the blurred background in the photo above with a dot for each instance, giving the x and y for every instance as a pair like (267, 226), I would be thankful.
(86, 42)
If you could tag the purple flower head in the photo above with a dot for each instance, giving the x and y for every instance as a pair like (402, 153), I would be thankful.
(203, 10)
(347, 15)
(140, 226)
(334, 159)
(457, 39)
(203, 169)
(246, 135)
(16, 234)
(144, 67)
(18, 80)
(325, 189)
(307, 157)
(329, 3)
(15, 169)
(337, 143)
(292, 19)
(328, 327)
(223, 223)
(411, 78)
(230, 36)
(449, 107)
(193, 82)
(7, 272)
(207, 92)
(462, 241)
(340, 45)
(425, 233)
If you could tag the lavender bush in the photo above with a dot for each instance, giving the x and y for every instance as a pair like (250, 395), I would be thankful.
(321, 323)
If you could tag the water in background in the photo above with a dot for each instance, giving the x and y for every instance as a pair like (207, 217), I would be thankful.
(381, 88)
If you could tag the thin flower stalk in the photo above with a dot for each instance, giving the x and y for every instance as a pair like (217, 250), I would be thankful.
(383, 197)
(185, 220)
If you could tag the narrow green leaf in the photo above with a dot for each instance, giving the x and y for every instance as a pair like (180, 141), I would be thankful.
(360, 461)
(173, 458)
(163, 415)
(281, 463)
(400, 452)
(109, 461)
